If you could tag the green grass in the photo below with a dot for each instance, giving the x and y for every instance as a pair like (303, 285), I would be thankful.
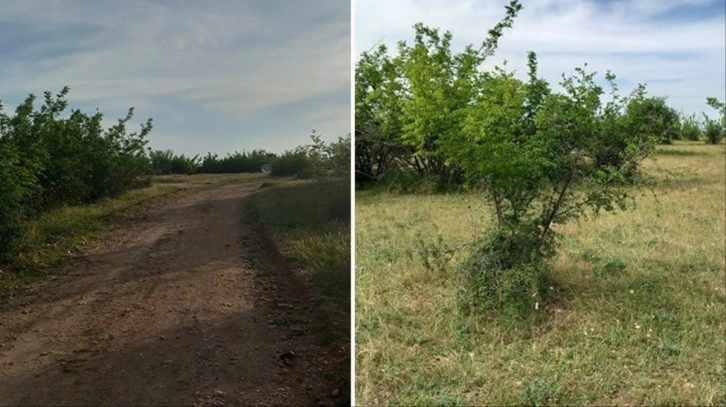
(55, 236)
(309, 221)
(638, 318)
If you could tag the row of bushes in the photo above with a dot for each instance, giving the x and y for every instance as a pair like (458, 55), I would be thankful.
(710, 130)
(316, 159)
(655, 116)
(403, 122)
(49, 158)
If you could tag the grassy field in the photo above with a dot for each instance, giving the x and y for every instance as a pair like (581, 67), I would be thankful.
(55, 235)
(639, 316)
(309, 221)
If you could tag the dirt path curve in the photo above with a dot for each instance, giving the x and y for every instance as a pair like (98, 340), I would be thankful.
(189, 306)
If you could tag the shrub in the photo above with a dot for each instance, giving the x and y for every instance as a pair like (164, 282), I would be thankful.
(47, 160)
(292, 162)
(690, 129)
(652, 117)
(503, 270)
(16, 184)
(714, 132)
(715, 129)
(237, 162)
(539, 157)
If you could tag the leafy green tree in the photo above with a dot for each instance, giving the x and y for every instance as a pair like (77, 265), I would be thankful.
(292, 162)
(653, 117)
(317, 159)
(405, 105)
(161, 161)
(16, 185)
(541, 158)
(379, 94)
(237, 162)
(715, 129)
(690, 128)
(328, 158)
(48, 159)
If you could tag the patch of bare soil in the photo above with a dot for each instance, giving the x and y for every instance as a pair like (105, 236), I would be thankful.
(189, 306)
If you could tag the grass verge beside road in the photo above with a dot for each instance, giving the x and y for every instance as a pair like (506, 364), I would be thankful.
(309, 221)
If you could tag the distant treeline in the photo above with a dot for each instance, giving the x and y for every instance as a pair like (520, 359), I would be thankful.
(50, 159)
(412, 107)
(316, 159)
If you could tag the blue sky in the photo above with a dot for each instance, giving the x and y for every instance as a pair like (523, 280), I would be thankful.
(676, 47)
(217, 76)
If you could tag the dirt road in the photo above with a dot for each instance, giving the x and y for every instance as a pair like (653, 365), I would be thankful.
(188, 306)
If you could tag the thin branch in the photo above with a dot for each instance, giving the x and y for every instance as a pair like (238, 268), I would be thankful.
(553, 213)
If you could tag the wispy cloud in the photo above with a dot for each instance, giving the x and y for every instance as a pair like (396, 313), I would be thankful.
(208, 72)
(677, 47)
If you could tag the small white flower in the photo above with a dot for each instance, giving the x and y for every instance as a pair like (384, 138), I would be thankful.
(632, 292)
(536, 305)
(637, 326)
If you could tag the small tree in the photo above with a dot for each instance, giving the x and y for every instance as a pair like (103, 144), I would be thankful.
(49, 159)
(690, 128)
(651, 116)
(536, 179)
(540, 158)
(715, 129)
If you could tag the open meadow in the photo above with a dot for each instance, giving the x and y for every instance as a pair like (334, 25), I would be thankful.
(637, 317)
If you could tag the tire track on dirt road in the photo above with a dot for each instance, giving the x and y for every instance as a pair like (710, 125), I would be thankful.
(190, 306)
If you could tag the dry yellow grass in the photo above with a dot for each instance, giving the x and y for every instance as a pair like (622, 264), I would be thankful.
(638, 319)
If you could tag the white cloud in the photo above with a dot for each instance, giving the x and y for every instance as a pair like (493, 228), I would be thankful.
(235, 58)
(627, 37)
(192, 53)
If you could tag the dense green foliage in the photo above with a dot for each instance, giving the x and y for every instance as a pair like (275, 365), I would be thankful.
(316, 159)
(49, 160)
(715, 130)
(653, 117)
(690, 128)
(165, 162)
(238, 162)
(409, 104)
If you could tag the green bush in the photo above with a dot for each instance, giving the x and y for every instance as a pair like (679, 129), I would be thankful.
(294, 162)
(16, 184)
(714, 132)
(318, 159)
(690, 129)
(238, 162)
(540, 157)
(715, 129)
(507, 269)
(652, 117)
(48, 160)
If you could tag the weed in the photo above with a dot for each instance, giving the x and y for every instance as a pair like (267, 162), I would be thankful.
(539, 392)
